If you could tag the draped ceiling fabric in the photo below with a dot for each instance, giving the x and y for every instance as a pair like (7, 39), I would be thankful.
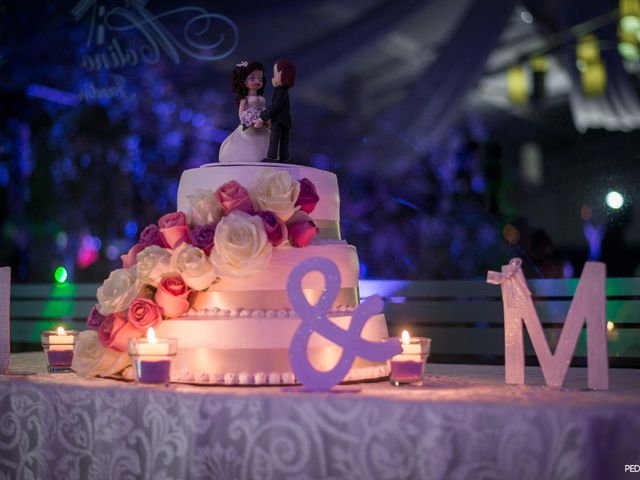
(433, 105)
(617, 110)
(358, 34)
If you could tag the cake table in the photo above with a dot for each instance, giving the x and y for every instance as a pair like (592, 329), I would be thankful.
(463, 423)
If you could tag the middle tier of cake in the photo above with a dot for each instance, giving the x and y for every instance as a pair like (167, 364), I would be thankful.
(267, 290)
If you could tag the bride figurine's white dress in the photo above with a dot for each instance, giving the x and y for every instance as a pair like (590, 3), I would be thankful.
(251, 144)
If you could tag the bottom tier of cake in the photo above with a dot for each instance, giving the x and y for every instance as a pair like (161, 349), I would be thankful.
(254, 351)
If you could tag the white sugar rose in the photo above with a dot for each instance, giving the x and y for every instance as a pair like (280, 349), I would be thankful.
(152, 263)
(194, 266)
(118, 291)
(205, 207)
(277, 192)
(240, 246)
(91, 358)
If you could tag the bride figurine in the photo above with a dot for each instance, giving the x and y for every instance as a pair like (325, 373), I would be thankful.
(247, 143)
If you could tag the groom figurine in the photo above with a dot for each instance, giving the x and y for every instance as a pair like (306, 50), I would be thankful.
(278, 114)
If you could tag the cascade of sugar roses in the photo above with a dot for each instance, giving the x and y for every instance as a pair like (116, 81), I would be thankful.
(229, 232)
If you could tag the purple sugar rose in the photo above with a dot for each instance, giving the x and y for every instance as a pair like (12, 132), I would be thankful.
(275, 228)
(95, 319)
(202, 237)
(151, 236)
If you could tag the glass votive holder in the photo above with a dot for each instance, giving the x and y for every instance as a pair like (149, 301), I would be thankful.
(151, 360)
(58, 347)
(407, 368)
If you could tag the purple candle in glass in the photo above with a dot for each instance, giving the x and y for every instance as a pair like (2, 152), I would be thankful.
(58, 346)
(151, 357)
(407, 368)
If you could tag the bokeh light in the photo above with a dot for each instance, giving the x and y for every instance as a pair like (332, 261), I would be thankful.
(614, 200)
(60, 274)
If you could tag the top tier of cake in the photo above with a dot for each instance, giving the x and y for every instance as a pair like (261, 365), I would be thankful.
(212, 175)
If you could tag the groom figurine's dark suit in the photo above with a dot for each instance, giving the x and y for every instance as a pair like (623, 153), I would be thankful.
(279, 112)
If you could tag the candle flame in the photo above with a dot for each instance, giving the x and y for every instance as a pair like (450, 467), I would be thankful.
(60, 331)
(151, 335)
(406, 339)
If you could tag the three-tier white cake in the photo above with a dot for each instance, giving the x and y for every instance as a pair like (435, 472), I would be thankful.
(238, 330)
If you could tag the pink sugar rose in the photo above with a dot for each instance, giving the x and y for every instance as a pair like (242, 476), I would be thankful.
(172, 295)
(201, 236)
(151, 236)
(173, 229)
(115, 332)
(130, 259)
(144, 313)
(95, 319)
(301, 232)
(233, 196)
(174, 219)
(275, 228)
(308, 198)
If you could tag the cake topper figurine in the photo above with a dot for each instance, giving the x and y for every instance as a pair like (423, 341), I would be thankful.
(248, 142)
(278, 114)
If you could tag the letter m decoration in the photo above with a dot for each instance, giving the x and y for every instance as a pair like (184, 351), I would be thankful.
(587, 305)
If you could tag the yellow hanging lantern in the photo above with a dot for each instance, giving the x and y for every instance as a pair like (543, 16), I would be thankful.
(539, 63)
(587, 49)
(594, 79)
(517, 85)
(629, 16)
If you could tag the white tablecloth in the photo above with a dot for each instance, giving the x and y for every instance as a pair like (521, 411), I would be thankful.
(464, 423)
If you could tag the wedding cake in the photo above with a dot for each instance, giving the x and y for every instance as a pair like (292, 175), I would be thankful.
(213, 275)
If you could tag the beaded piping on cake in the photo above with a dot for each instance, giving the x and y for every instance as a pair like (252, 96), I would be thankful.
(269, 378)
(254, 313)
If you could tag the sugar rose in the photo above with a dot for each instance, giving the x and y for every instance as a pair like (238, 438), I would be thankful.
(95, 318)
(153, 263)
(233, 196)
(301, 230)
(241, 246)
(173, 229)
(308, 198)
(276, 192)
(117, 292)
(130, 259)
(275, 228)
(151, 236)
(201, 236)
(172, 296)
(115, 332)
(205, 207)
(194, 266)
(91, 358)
(144, 313)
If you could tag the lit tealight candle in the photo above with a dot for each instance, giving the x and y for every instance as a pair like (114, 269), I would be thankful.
(408, 366)
(58, 345)
(151, 357)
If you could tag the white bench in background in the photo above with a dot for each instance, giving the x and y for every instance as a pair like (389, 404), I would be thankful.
(464, 318)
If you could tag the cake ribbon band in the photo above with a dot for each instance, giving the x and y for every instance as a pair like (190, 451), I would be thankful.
(265, 299)
(329, 230)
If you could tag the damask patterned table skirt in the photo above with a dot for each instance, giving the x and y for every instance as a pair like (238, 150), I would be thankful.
(464, 423)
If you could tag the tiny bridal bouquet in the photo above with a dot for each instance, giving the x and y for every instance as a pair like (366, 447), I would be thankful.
(249, 117)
